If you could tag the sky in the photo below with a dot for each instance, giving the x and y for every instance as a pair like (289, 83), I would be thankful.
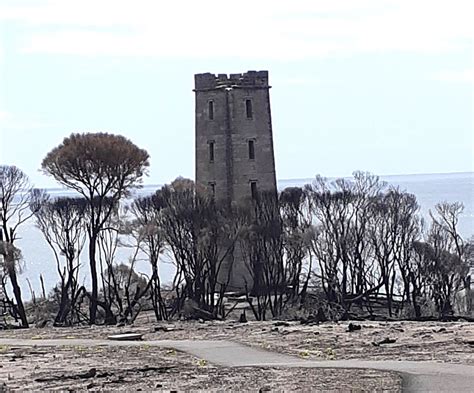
(376, 85)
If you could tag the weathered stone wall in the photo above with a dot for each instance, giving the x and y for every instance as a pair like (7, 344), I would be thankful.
(232, 171)
(258, 129)
(215, 131)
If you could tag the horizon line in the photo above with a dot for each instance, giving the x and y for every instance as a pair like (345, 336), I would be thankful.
(390, 175)
(306, 178)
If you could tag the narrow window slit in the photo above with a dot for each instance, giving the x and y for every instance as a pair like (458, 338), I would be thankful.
(253, 189)
(212, 188)
(211, 110)
(251, 150)
(248, 109)
(211, 151)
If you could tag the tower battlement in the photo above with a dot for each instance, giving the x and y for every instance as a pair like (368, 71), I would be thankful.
(249, 79)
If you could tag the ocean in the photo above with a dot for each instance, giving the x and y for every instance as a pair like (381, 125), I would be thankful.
(428, 188)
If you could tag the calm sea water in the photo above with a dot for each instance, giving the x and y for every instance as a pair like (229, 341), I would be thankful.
(429, 190)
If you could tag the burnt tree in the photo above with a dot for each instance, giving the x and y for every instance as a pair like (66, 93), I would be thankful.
(97, 166)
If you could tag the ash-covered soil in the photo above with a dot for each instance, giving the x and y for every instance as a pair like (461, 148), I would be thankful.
(147, 368)
(150, 368)
(434, 341)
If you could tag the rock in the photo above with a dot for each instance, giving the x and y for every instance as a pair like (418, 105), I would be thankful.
(91, 373)
(384, 341)
(126, 337)
(164, 328)
(281, 323)
(353, 327)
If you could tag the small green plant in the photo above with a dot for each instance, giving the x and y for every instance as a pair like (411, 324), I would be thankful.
(330, 353)
(304, 354)
(79, 348)
(4, 348)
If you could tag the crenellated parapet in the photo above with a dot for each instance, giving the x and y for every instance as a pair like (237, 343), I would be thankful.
(249, 79)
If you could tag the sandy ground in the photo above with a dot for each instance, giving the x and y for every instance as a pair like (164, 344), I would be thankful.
(139, 368)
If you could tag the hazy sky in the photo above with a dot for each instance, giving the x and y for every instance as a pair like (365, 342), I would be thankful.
(383, 86)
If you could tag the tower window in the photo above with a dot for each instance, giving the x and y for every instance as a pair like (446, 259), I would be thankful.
(212, 188)
(253, 189)
(248, 109)
(211, 151)
(211, 110)
(251, 149)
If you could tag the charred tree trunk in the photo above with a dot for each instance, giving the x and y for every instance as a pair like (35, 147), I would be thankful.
(95, 290)
(17, 293)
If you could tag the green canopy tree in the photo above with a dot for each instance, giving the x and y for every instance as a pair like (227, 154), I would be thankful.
(102, 168)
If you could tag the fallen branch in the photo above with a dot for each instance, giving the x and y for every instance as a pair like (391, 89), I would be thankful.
(93, 373)
(384, 341)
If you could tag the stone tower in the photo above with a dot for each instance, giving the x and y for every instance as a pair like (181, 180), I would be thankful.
(234, 142)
